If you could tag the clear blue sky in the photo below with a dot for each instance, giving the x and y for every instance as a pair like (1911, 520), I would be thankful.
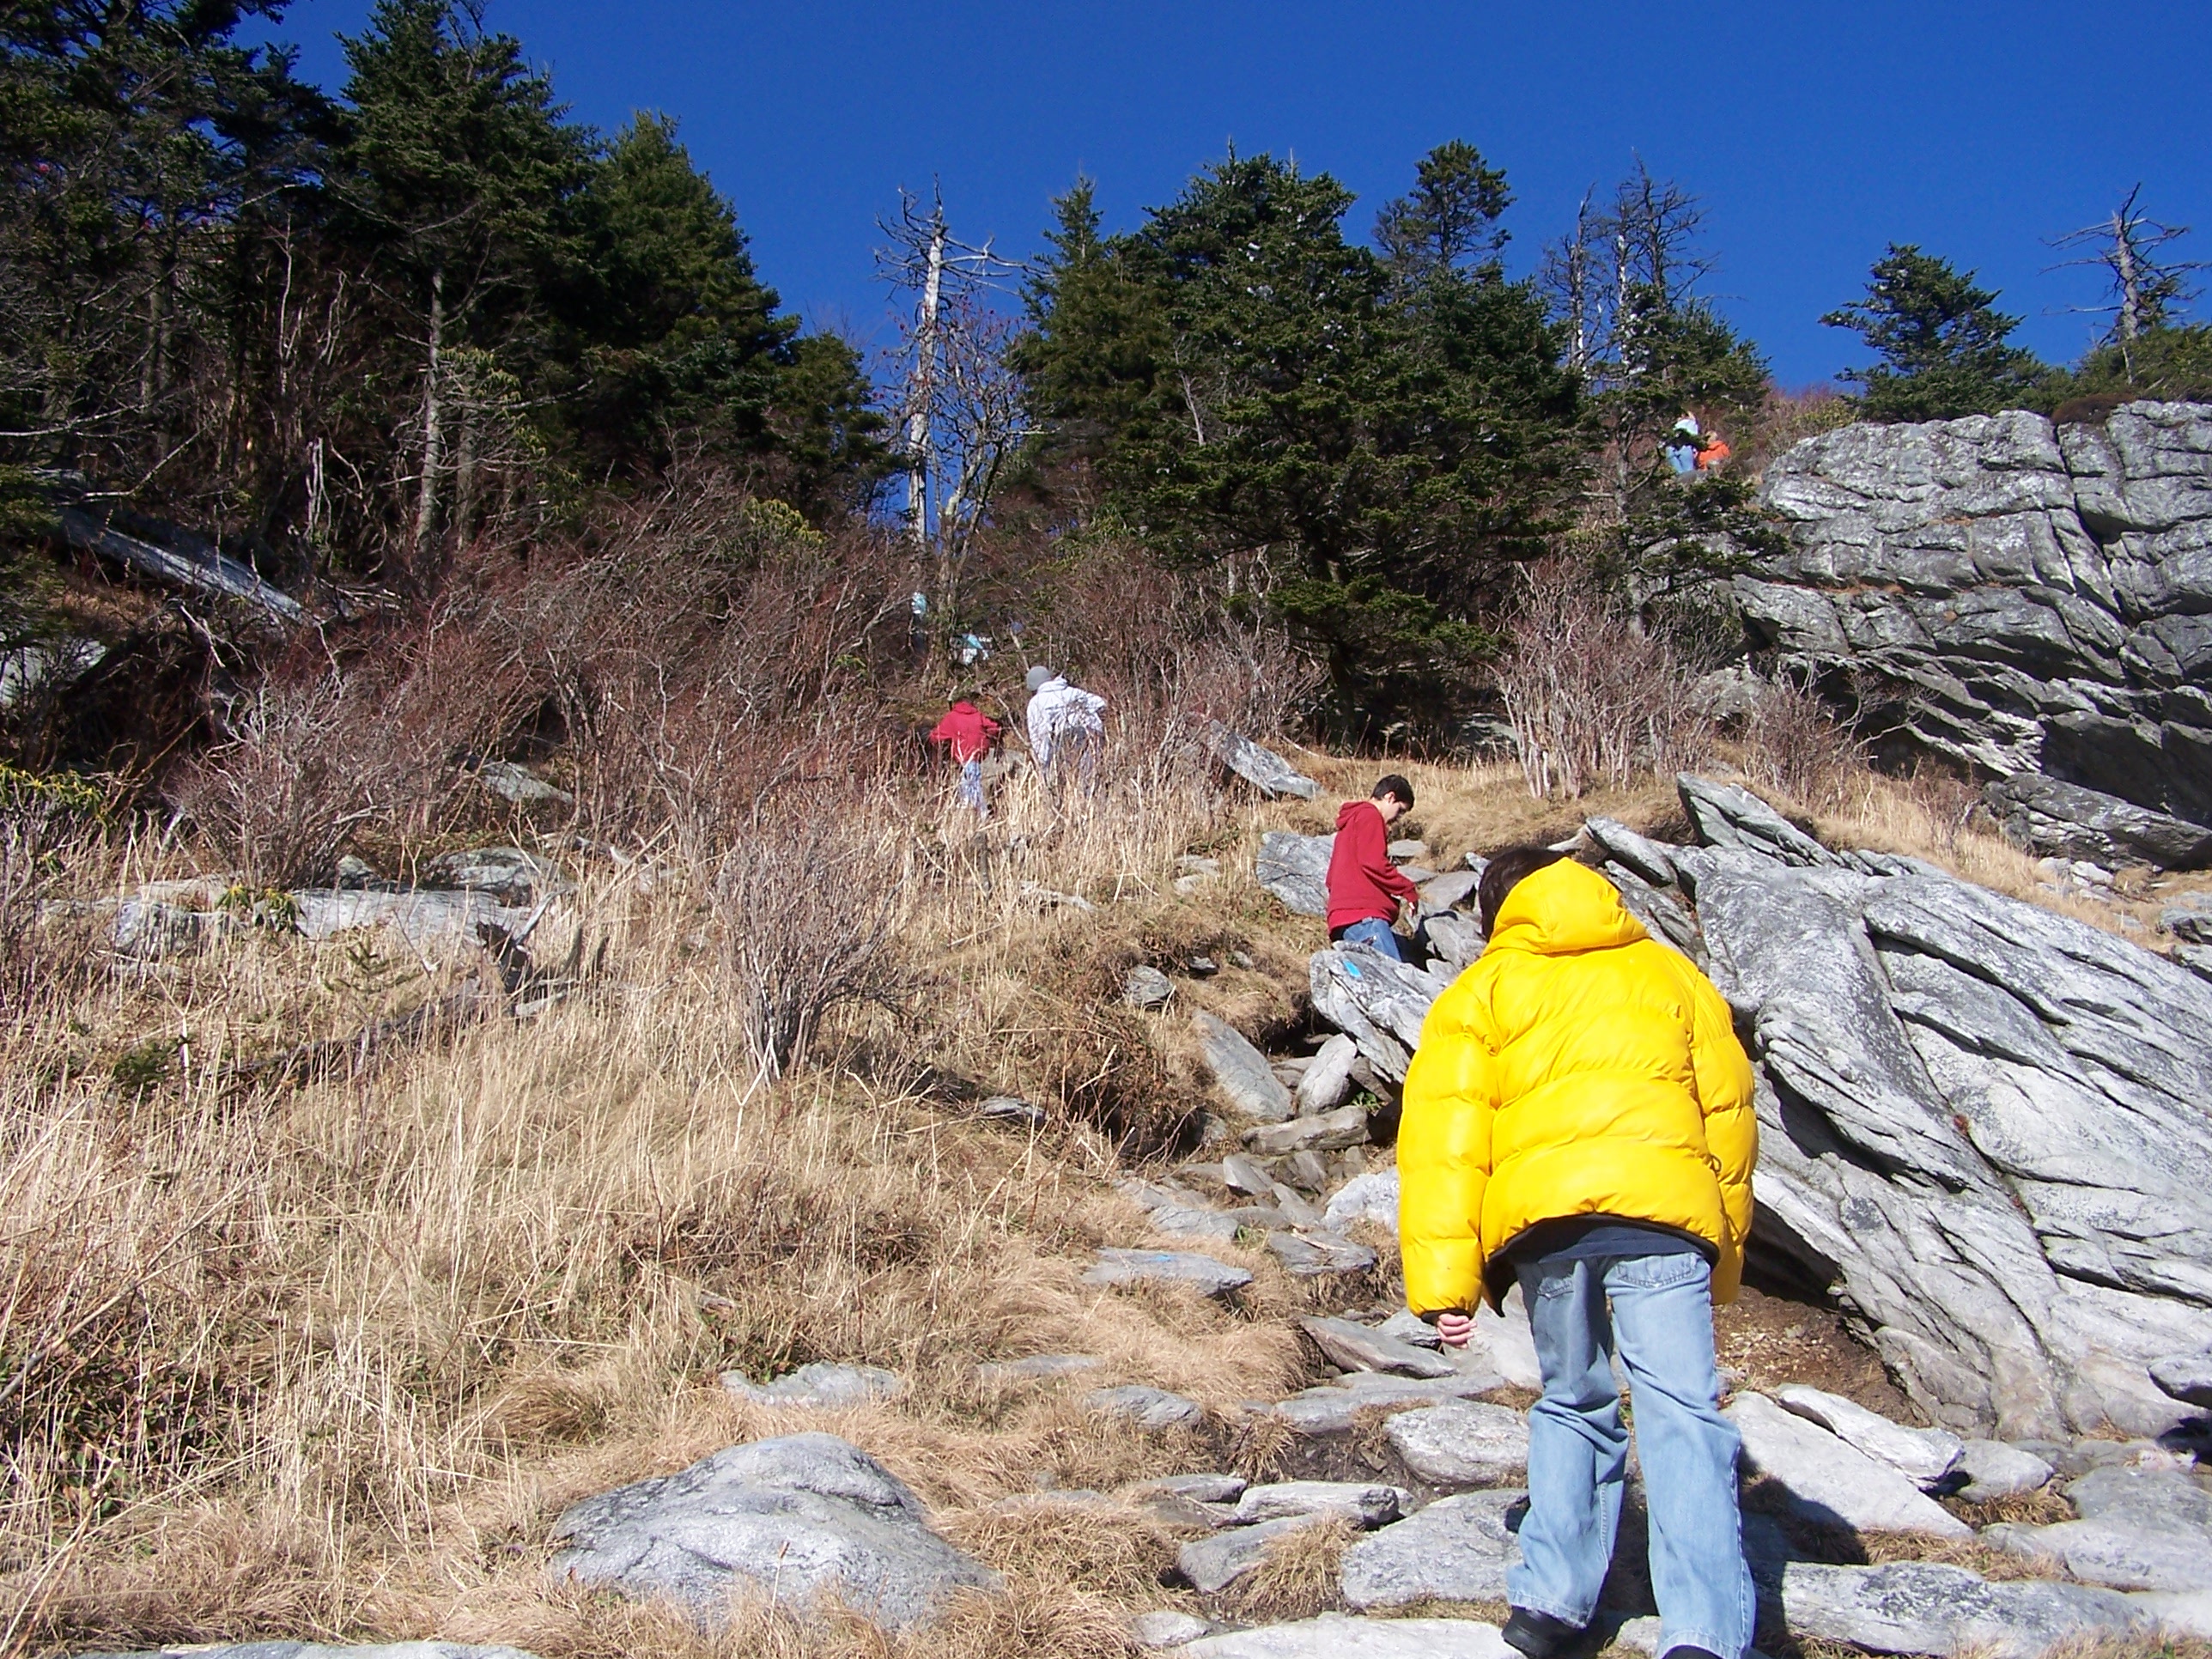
(1815, 132)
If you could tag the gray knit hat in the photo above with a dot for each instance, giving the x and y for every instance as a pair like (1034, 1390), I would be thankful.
(1038, 675)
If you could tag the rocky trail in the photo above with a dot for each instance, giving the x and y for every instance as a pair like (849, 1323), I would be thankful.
(1985, 1132)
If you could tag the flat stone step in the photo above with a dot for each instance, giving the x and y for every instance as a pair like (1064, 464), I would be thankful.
(1201, 1273)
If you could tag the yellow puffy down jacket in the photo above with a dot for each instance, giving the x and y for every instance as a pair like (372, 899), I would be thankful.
(1578, 1068)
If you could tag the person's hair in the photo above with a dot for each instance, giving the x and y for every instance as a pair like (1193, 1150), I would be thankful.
(1507, 869)
(1391, 784)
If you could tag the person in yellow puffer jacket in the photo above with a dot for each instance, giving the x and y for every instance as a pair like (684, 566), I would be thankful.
(1578, 1116)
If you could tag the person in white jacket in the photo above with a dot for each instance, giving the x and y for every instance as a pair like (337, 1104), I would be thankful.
(1065, 731)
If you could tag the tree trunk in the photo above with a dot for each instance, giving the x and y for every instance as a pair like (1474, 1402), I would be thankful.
(921, 390)
(433, 432)
(465, 480)
(151, 373)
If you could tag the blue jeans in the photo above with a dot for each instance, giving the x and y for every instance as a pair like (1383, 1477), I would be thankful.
(971, 786)
(1663, 1319)
(1375, 934)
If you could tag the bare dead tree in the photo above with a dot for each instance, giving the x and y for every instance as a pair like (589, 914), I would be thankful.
(924, 259)
(2145, 289)
(1566, 278)
(1649, 243)
(961, 412)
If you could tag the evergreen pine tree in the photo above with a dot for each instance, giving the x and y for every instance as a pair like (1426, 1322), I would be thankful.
(1941, 341)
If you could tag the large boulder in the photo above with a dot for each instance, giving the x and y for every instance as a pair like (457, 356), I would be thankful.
(1983, 1124)
(2019, 598)
(801, 1518)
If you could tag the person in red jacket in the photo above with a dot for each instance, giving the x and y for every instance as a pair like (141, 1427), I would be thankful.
(968, 733)
(1364, 888)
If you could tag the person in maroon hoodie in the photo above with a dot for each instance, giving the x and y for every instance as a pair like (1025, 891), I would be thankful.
(968, 733)
(1364, 888)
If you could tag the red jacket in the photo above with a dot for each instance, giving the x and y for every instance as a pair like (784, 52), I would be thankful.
(969, 730)
(1362, 880)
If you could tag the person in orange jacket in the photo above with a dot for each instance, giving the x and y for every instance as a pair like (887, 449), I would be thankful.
(1578, 1117)
(968, 733)
(1712, 452)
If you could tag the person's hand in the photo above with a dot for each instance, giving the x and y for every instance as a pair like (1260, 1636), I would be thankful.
(1453, 1329)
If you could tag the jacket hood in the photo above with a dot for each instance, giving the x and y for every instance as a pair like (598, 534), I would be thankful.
(1563, 909)
(1346, 812)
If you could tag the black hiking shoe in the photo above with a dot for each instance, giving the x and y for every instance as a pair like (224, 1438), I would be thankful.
(1539, 1635)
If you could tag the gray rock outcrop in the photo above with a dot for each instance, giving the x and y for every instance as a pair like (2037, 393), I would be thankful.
(1295, 869)
(1924, 1456)
(2141, 1529)
(1379, 1003)
(2064, 820)
(1333, 1635)
(1462, 1443)
(1201, 1273)
(1919, 1607)
(1829, 1482)
(1363, 1348)
(1983, 1125)
(1262, 768)
(1457, 1549)
(2031, 599)
(1977, 1119)
(1241, 1069)
(2185, 1376)
(802, 1517)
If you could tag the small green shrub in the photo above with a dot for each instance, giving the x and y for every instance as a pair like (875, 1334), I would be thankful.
(142, 1070)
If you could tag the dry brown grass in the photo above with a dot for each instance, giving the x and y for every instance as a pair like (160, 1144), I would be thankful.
(328, 1361)
(1297, 1578)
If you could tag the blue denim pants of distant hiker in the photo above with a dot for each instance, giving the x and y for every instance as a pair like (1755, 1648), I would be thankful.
(1661, 1322)
(1375, 934)
(971, 786)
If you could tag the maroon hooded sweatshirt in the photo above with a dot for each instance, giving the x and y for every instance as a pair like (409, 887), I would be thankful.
(1362, 883)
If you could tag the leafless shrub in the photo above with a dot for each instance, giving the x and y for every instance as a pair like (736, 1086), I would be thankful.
(686, 654)
(1166, 646)
(810, 907)
(296, 776)
(45, 830)
(1591, 700)
(1794, 743)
